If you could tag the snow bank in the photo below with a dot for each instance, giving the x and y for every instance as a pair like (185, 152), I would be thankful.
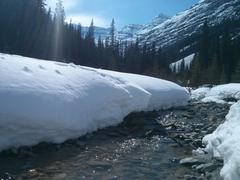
(223, 92)
(165, 94)
(217, 94)
(52, 102)
(200, 93)
(225, 143)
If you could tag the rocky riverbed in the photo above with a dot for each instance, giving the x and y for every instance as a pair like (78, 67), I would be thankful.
(156, 145)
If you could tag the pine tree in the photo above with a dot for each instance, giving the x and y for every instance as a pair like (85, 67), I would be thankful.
(182, 67)
(112, 34)
(156, 67)
(204, 46)
(195, 71)
(214, 72)
(228, 61)
(41, 5)
(236, 75)
(59, 13)
(90, 33)
(223, 77)
(59, 18)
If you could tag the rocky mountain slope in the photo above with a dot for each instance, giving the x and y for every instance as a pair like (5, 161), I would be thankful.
(127, 32)
(189, 22)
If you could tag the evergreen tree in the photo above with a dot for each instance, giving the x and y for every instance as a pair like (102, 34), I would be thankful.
(227, 57)
(90, 33)
(59, 13)
(112, 34)
(223, 77)
(59, 18)
(204, 46)
(182, 67)
(236, 75)
(195, 71)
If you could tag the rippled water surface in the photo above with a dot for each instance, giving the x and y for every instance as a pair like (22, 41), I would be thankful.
(106, 154)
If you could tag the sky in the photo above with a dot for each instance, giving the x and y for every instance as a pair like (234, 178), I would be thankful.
(123, 11)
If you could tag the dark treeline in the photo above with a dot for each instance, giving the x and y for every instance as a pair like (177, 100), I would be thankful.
(28, 29)
(217, 60)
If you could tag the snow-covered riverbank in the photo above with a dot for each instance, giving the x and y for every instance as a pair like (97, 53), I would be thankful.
(147, 145)
(224, 142)
(45, 101)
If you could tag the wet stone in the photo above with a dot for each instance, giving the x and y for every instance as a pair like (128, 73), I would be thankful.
(190, 177)
(208, 167)
(190, 161)
(183, 128)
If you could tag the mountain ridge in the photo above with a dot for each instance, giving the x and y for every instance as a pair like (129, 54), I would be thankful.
(189, 22)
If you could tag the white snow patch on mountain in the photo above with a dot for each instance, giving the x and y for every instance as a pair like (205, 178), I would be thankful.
(176, 67)
(128, 32)
(185, 24)
(46, 101)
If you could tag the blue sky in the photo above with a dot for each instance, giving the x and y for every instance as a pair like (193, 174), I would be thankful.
(123, 11)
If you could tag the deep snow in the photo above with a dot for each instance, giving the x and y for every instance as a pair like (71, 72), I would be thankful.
(217, 94)
(224, 142)
(52, 102)
(164, 94)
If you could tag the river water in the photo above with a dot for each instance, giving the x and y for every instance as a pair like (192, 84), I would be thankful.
(137, 149)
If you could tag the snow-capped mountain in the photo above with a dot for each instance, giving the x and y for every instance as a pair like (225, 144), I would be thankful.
(129, 31)
(189, 22)
(98, 32)
(155, 22)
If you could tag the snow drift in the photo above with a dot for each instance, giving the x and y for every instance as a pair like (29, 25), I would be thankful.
(164, 94)
(200, 93)
(224, 142)
(52, 102)
(217, 94)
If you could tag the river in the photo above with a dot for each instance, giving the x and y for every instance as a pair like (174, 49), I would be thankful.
(144, 146)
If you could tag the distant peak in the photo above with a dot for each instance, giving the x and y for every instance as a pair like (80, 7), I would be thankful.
(162, 15)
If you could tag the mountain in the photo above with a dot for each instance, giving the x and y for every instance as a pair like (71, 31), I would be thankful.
(129, 31)
(188, 23)
(98, 32)
(155, 22)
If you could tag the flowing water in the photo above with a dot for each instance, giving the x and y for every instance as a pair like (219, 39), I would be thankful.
(131, 150)
(147, 158)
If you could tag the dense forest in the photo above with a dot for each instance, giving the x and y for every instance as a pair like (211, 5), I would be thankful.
(29, 29)
(217, 60)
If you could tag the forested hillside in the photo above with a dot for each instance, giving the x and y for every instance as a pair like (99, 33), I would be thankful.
(217, 57)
